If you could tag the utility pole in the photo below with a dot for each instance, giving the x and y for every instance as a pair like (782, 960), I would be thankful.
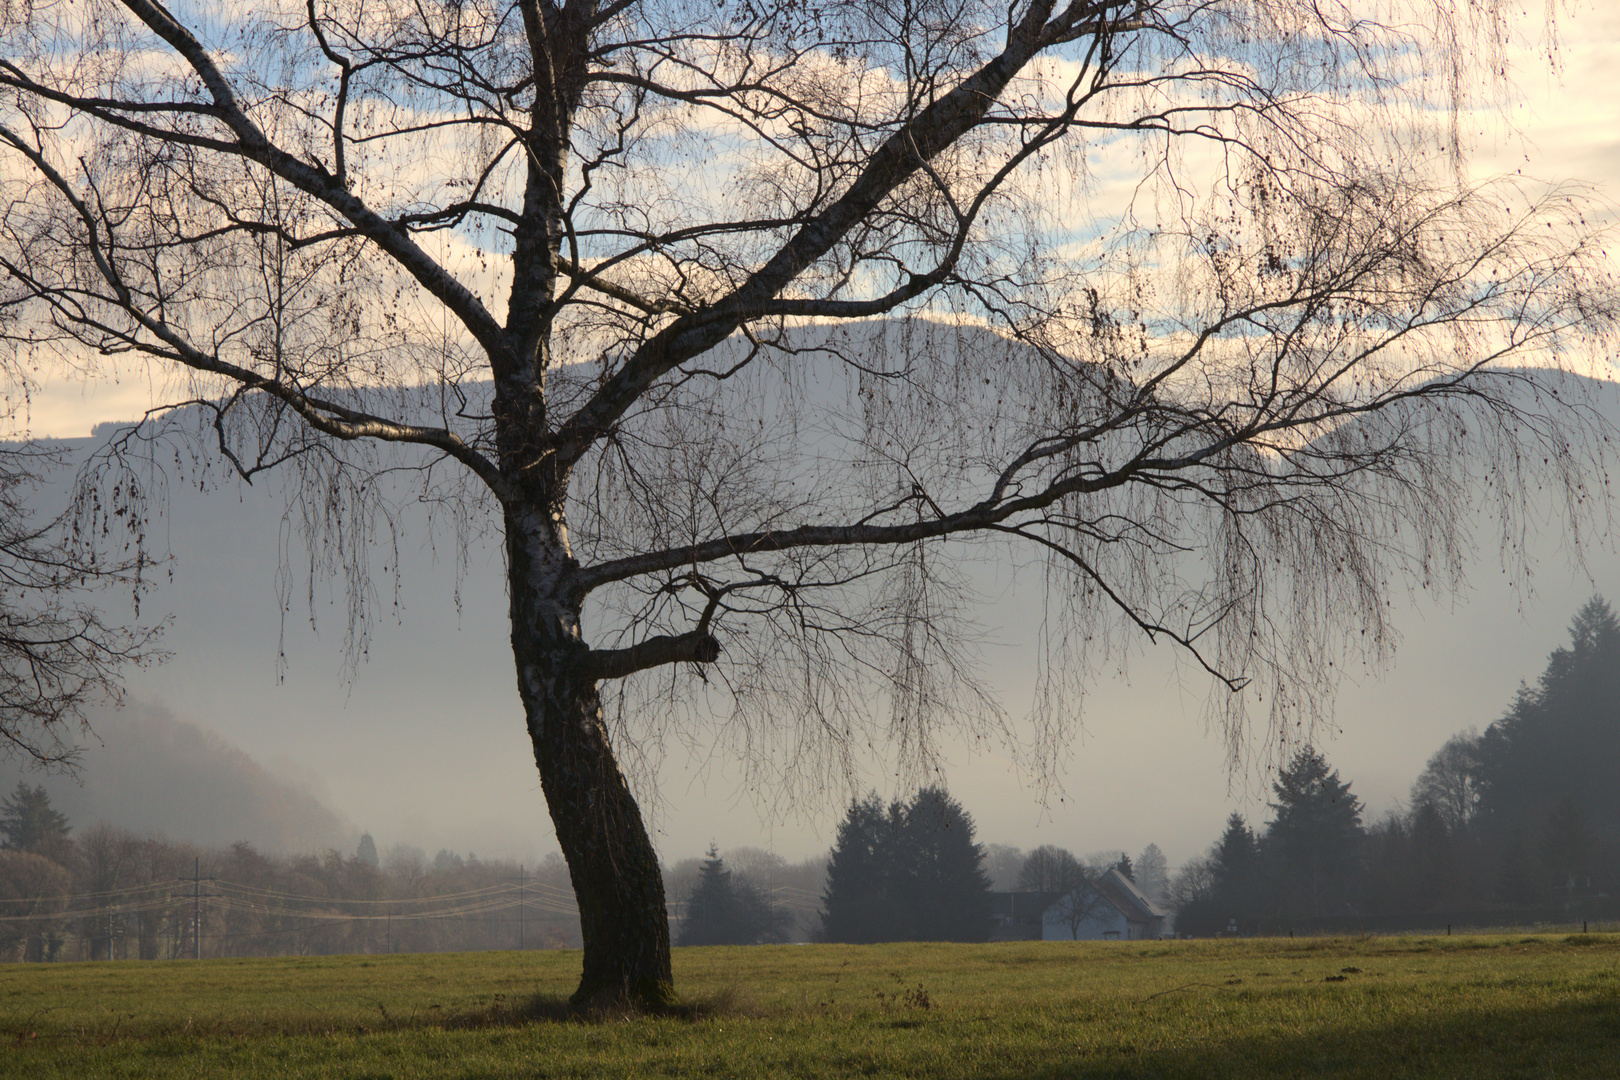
(196, 880)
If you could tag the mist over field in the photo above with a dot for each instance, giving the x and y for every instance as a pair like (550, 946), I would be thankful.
(151, 773)
(259, 729)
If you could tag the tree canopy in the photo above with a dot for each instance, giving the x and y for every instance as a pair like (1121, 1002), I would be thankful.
(28, 822)
(1050, 869)
(906, 872)
(726, 910)
(1560, 738)
(1314, 842)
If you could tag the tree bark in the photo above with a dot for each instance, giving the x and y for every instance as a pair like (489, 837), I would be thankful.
(615, 872)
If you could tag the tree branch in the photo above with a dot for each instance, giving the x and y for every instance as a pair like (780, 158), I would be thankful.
(934, 128)
(696, 646)
(315, 180)
(328, 417)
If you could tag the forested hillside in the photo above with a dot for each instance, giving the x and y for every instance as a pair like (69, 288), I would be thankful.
(1518, 823)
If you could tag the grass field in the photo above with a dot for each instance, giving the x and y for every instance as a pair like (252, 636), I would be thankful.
(1500, 1006)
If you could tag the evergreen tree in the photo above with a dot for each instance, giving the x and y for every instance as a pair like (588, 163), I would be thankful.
(29, 823)
(1392, 874)
(1434, 857)
(1314, 842)
(1209, 894)
(1566, 841)
(1124, 866)
(724, 909)
(906, 873)
(366, 852)
(949, 891)
(1518, 883)
(1235, 891)
(1560, 738)
(863, 901)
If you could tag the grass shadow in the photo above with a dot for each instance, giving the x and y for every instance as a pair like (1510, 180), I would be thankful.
(724, 1003)
(1569, 1039)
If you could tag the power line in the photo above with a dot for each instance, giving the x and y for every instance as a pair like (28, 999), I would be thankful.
(196, 905)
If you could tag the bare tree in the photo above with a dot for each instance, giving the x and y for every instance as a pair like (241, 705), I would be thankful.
(1194, 885)
(1450, 780)
(1083, 903)
(1153, 874)
(1233, 415)
(1003, 863)
(59, 653)
(1051, 869)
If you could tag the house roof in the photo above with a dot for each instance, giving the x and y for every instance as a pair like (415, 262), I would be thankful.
(1131, 901)
(1113, 886)
(1021, 906)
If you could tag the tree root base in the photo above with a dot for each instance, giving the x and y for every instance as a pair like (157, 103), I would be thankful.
(640, 996)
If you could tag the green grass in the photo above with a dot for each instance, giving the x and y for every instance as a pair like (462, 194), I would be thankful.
(1501, 1006)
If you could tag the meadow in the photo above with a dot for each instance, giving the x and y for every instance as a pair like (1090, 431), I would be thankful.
(1466, 1006)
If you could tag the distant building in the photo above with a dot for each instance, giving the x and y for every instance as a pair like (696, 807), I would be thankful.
(1111, 908)
(1018, 914)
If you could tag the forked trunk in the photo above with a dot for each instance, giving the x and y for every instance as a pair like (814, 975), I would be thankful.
(615, 872)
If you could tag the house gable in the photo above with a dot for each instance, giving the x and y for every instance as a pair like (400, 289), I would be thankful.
(1111, 908)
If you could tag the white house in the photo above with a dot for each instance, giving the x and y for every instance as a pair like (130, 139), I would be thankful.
(1111, 908)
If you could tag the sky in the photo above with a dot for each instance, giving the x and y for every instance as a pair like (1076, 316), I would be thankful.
(424, 743)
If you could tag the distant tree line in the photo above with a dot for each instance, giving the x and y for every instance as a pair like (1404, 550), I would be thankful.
(897, 871)
(104, 893)
(1519, 822)
(749, 896)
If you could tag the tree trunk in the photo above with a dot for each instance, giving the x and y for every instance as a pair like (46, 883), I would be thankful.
(615, 872)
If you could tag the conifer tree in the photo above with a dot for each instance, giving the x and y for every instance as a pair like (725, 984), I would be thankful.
(724, 909)
(862, 902)
(906, 873)
(1235, 895)
(29, 823)
(1561, 738)
(1314, 842)
(1566, 841)
(1433, 856)
(949, 891)
(1518, 882)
